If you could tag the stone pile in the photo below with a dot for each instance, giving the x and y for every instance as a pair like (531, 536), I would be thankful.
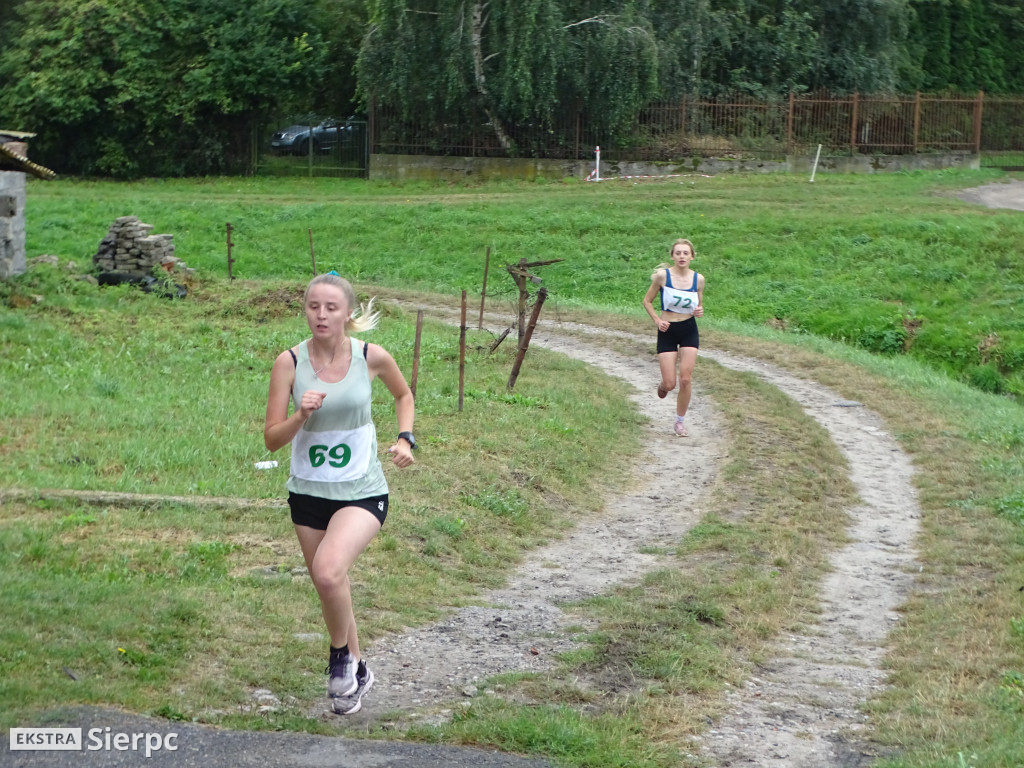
(130, 249)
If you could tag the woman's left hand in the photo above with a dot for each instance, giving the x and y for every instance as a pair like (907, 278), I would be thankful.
(401, 454)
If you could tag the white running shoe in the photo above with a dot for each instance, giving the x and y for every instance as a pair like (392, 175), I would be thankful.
(349, 705)
(341, 671)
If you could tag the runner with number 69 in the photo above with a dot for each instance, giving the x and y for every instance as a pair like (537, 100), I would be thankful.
(337, 491)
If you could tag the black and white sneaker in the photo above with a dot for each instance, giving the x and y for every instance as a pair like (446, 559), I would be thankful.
(348, 705)
(341, 673)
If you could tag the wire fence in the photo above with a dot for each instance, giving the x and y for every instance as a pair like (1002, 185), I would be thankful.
(866, 124)
(310, 145)
(992, 127)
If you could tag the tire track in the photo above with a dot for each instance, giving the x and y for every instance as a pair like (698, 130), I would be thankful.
(801, 709)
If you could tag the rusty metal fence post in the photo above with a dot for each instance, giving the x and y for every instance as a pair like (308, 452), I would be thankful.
(977, 122)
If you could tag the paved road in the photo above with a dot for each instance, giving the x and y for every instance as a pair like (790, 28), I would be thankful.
(197, 746)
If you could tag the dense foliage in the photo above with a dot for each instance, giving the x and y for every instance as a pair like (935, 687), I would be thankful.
(160, 87)
(174, 87)
(967, 45)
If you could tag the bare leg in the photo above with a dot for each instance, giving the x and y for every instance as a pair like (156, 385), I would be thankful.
(329, 555)
(687, 361)
(667, 363)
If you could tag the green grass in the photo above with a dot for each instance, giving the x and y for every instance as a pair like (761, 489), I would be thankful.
(892, 263)
(113, 390)
(123, 391)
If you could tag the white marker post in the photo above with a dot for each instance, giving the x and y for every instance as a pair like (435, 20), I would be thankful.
(815, 168)
(597, 167)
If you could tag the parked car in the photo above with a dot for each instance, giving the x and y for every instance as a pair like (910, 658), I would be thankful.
(325, 136)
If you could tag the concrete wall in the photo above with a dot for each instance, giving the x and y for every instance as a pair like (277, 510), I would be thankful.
(12, 223)
(438, 168)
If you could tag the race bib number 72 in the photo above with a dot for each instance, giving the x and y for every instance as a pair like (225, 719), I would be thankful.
(679, 301)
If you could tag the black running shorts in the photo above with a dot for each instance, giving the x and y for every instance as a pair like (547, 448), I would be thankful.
(315, 512)
(682, 333)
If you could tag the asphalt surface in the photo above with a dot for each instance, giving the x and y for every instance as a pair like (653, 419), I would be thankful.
(185, 745)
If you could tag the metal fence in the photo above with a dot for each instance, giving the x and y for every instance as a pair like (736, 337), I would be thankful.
(848, 124)
(309, 145)
(992, 127)
(565, 136)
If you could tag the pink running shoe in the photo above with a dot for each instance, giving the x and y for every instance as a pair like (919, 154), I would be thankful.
(680, 429)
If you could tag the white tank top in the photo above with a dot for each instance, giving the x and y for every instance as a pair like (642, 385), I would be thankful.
(334, 454)
(680, 301)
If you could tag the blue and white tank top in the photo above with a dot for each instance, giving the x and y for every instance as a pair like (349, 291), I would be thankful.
(334, 454)
(676, 300)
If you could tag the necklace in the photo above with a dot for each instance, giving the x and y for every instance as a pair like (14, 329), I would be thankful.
(316, 371)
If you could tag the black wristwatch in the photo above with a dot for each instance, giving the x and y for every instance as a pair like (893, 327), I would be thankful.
(407, 436)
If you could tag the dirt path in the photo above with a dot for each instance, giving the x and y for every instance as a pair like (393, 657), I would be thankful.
(1007, 194)
(801, 709)
(521, 626)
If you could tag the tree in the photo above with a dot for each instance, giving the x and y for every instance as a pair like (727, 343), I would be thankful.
(861, 44)
(342, 25)
(163, 87)
(512, 61)
(609, 62)
(966, 45)
(770, 47)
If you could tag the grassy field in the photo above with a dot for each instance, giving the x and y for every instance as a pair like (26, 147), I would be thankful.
(891, 263)
(114, 390)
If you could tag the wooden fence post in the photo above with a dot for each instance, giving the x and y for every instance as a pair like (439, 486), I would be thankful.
(483, 291)
(462, 352)
(312, 255)
(416, 352)
(525, 343)
(520, 280)
(230, 259)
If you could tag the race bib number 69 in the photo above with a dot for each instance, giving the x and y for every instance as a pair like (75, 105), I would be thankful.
(334, 456)
(337, 456)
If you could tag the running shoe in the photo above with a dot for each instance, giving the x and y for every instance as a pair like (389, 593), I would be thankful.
(341, 672)
(349, 705)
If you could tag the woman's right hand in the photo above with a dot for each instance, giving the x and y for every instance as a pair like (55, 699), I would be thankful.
(311, 401)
